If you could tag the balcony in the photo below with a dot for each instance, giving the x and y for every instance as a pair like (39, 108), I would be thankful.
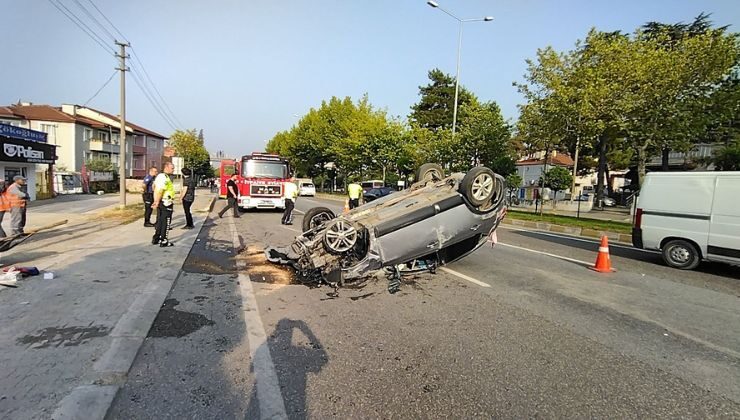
(139, 150)
(97, 145)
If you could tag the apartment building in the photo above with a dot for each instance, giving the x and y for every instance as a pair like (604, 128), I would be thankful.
(83, 133)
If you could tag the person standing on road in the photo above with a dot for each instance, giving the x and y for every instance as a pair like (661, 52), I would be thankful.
(164, 200)
(17, 198)
(148, 196)
(232, 195)
(4, 206)
(291, 194)
(188, 196)
(354, 191)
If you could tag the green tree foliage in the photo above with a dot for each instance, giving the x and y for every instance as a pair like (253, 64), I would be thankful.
(434, 110)
(728, 158)
(100, 165)
(189, 145)
(513, 182)
(651, 88)
(557, 179)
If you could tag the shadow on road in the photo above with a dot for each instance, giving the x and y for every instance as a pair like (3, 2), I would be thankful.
(296, 353)
(714, 268)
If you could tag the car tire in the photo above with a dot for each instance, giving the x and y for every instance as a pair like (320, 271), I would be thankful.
(681, 254)
(430, 172)
(340, 236)
(479, 186)
(315, 216)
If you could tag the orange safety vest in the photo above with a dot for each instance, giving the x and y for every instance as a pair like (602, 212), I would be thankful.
(12, 199)
(4, 202)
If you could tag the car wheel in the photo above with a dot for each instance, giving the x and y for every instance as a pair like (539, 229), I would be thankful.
(479, 185)
(315, 217)
(430, 172)
(340, 236)
(681, 254)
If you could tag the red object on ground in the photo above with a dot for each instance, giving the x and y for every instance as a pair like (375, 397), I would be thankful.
(603, 262)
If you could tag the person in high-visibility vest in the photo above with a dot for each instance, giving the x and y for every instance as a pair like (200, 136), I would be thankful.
(164, 201)
(17, 201)
(291, 194)
(354, 191)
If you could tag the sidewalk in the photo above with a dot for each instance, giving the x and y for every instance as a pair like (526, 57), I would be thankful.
(66, 344)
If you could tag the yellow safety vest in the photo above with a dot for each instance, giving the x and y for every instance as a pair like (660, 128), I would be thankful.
(355, 191)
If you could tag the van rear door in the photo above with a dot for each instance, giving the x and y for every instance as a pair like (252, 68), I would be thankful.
(724, 230)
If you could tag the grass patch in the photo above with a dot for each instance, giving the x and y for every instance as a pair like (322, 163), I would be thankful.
(128, 214)
(595, 224)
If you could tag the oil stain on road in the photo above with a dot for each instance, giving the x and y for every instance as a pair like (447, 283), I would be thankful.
(171, 322)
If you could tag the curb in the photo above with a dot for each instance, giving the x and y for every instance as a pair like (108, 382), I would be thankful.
(209, 207)
(623, 238)
(110, 373)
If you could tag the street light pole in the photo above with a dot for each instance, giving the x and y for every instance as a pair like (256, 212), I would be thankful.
(435, 5)
(457, 79)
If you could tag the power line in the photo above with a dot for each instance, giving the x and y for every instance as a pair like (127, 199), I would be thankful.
(156, 95)
(95, 20)
(149, 98)
(108, 20)
(146, 74)
(80, 24)
(101, 88)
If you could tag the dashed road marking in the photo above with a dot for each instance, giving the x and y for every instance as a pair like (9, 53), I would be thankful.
(289, 228)
(464, 277)
(270, 398)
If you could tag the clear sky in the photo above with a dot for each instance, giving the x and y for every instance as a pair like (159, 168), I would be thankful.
(243, 69)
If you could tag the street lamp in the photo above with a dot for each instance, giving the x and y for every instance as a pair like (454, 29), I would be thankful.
(435, 5)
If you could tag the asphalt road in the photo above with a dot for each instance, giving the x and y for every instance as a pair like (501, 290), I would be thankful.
(523, 329)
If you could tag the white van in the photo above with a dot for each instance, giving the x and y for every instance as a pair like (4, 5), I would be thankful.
(689, 216)
(306, 189)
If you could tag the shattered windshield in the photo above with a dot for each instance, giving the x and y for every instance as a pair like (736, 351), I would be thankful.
(260, 169)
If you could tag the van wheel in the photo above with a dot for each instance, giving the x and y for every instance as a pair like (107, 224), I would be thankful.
(681, 254)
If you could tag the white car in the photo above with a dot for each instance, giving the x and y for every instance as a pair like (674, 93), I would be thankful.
(306, 189)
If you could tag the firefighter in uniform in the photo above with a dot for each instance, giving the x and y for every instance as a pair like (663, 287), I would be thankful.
(164, 200)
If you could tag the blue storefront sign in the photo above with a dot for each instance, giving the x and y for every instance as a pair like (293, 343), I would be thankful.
(22, 133)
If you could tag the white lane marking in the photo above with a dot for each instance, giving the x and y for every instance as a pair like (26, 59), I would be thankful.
(270, 398)
(464, 277)
(573, 238)
(299, 211)
(294, 230)
(587, 264)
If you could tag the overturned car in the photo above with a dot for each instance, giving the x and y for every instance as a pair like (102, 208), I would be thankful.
(436, 221)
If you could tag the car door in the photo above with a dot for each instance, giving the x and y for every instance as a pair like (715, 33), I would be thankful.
(724, 227)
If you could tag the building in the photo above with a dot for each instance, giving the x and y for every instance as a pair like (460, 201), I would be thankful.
(216, 158)
(532, 168)
(27, 153)
(83, 133)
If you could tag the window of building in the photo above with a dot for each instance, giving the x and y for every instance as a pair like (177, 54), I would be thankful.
(103, 136)
(14, 123)
(116, 138)
(140, 141)
(139, 162)
(87, 135)
(51, 131)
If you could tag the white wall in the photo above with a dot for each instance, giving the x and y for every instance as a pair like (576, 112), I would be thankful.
(30, 175)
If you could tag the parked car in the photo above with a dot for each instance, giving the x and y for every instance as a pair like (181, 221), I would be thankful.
(689, 217)
(436, 221)
(375, 193)
(306, 189)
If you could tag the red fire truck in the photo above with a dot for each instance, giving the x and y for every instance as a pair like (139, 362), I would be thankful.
(261, 180)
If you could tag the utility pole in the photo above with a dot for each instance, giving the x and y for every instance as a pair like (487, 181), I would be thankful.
(122, 137)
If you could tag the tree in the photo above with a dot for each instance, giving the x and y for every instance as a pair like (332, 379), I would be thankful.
(557, 179)
(728, 158)
(435, 108)
(100, 165)
(190, 147)
(513, 183)
(485, 139)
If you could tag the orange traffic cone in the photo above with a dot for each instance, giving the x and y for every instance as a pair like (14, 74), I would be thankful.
(603, 262)
(346, 207)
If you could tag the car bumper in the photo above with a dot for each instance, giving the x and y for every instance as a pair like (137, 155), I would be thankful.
(261, 203)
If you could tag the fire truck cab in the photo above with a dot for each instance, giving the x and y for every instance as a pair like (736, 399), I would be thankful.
(261, 180)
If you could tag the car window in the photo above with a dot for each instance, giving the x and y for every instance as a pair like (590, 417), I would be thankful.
(373, 191)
